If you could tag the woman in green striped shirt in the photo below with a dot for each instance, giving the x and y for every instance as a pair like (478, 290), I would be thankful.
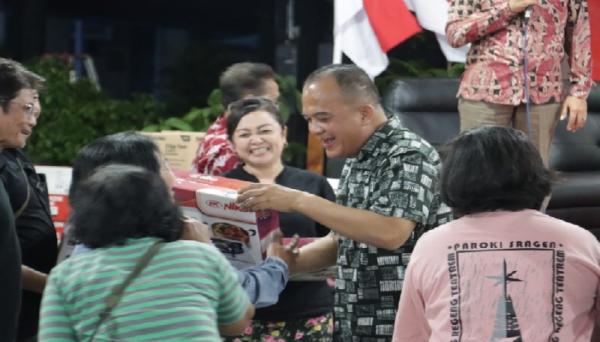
(187, 292)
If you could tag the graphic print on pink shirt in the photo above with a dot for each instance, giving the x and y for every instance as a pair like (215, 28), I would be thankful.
(499, 276)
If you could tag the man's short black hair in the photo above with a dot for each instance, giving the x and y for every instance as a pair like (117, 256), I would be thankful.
(13, 78)
(125, 148)
(118, 202)
(241, 108)
(493, 168)
(353, 81)
(242, 79)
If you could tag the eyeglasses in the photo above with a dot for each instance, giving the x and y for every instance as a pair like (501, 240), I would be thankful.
(30, 109)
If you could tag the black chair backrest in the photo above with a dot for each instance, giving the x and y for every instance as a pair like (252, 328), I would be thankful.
(426, 106)
(429, 107)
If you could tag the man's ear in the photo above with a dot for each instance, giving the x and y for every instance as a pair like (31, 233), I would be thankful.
(367, 113)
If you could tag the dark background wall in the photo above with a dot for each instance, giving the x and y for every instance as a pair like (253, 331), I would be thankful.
(176, 49)
(146, 45)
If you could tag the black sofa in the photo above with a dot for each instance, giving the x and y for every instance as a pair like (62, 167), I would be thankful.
(429, 108)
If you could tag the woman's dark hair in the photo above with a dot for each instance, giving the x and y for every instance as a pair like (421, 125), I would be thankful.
(13, 78)
(493, 168)
(240, 108)
(118, 202)
(125, 148)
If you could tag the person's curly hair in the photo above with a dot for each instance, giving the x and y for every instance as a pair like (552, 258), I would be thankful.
(118, 202)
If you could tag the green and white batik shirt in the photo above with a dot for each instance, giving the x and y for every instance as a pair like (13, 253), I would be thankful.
(396, 174)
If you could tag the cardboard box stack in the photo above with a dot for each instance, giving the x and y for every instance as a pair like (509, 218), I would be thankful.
(178, 147)
(242, 236)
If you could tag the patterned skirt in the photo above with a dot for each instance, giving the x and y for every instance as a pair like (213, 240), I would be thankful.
(317, 329)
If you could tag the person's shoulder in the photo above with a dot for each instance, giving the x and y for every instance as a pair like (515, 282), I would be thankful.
(433, 244)
(306, 177)
(194, 248)
(13, 153)
(215, 260)
(15, 157)
(216, 134)
(75, 265)
(21, 154)
(410, 141)
(440, 232)
(553, 225)
(231, 173)
(294, 171)
(6, 156)
(218, 126)
(403, 141)
(187, 245)
(215, 142)
(236, 173)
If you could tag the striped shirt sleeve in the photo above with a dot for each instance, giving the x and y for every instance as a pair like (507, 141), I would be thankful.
(55, 325)
(233, 301)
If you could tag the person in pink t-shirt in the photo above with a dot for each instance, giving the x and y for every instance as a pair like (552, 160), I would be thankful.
(503, 271)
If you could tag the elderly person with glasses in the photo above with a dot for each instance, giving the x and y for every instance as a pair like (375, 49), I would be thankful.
(19, 113)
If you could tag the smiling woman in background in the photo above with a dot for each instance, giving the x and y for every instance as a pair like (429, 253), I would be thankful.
(258, 134)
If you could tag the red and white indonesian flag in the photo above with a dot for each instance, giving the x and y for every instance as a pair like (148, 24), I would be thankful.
(365, 30)
(433, 16)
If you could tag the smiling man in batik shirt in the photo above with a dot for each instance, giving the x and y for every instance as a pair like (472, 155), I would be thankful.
(386, 198)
